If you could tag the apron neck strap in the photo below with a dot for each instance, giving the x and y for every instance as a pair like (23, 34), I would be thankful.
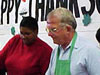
(72, 46)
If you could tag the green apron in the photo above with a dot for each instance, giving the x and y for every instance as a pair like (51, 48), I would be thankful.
(63, 66)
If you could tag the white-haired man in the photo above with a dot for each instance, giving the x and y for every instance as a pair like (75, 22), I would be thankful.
(74, 54)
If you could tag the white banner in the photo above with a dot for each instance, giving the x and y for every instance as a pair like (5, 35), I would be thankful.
(11, 12)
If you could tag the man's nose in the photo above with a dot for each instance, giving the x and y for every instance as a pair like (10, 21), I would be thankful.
(50, 34)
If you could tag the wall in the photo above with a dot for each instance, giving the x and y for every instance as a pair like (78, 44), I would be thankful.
(10, 19)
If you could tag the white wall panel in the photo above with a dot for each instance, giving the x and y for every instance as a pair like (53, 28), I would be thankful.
(85, 31)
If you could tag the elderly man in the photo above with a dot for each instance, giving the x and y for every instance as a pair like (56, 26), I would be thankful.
(74, 54)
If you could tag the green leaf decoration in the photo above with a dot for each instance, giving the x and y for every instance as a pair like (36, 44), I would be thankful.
(13, 30)
(87, 19)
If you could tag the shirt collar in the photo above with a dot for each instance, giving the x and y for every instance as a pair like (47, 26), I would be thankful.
(76, 44)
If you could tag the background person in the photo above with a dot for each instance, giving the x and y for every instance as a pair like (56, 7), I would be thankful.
(25, 54)
(98, 36)
(74, 54)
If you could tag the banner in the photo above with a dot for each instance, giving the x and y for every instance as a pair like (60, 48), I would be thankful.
(87, 14)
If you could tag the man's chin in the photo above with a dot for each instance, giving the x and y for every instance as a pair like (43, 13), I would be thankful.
(55, 42)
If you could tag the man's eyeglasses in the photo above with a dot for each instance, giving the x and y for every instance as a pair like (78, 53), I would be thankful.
(53, 30)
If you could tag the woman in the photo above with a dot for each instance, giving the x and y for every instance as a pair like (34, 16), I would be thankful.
(25, 54)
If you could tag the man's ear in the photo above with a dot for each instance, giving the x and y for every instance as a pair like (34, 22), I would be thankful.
(69, 28)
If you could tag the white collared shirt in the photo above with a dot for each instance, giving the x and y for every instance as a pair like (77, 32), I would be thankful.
(85, 59)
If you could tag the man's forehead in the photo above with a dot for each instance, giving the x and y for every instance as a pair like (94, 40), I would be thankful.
(53, 21)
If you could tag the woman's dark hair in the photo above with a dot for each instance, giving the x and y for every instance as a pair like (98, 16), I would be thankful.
(98, 35)
(30, 23)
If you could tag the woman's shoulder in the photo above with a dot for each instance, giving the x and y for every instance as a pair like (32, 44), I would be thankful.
(42, 42)
(15, 38)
